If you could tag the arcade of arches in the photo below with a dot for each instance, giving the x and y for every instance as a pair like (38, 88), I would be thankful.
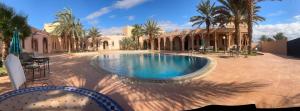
(219, 39)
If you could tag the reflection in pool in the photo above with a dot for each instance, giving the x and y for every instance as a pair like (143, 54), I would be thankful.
(150, 66)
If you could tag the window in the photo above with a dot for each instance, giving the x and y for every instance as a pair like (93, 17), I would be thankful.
(112, 43)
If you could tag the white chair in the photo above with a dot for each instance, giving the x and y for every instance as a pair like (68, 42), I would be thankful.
(15, 71)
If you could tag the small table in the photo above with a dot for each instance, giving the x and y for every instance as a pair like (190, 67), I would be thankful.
(56, 98)
(43, 60)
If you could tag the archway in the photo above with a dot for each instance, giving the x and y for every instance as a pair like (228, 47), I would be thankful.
(145, 45)
(162, 47)
(105, 45)
(156, 44)
(45, 45)
(34, 45)
(177, 44)
(187, 43)
(168, 44)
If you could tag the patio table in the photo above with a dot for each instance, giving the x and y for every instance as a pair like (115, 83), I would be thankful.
(56, 98)
(44, 61)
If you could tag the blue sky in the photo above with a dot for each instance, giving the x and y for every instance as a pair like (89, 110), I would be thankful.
(111, 15)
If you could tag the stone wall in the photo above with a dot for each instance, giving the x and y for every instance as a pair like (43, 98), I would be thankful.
(275, 47)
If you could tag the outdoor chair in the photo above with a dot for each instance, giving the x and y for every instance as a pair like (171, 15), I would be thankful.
(26, 58)
(209, 49)
(16, 71)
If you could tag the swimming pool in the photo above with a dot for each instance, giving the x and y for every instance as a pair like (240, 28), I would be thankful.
(151, 66)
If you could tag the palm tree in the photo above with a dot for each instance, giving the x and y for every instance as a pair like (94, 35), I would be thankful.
(251, 16)
(208, 15)
(237, 13)
(94, 33)
(137, 32)
(152, 30)
(9, 22)
(280, 36)
(68, 27)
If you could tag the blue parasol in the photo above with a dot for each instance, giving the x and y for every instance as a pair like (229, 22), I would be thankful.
(15, 44)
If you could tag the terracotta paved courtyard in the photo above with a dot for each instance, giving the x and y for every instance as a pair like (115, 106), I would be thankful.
(267, 81)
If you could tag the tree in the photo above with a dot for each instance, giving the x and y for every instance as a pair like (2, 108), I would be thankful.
(128, 43)
(280, 36)
(270, 39)
(9, 22)
(239, 14)
(263, 38)
(208, 15)
(137, 32)
(68, 28)
(152, 30)
(94, 33)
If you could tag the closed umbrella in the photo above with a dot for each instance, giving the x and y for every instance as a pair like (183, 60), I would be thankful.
(15, 44)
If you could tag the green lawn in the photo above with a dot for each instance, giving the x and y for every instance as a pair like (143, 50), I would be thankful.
(2, 71)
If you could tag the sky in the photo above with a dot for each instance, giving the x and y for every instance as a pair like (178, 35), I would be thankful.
(111, 15)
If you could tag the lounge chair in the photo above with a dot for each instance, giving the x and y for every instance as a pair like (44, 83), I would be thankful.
(15, 71)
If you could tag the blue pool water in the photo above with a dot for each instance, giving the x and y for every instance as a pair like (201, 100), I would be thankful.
(150, 66)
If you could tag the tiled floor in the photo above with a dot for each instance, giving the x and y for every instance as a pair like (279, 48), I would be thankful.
(267, 81)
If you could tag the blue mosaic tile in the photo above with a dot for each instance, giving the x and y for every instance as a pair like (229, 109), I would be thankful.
(103, 101)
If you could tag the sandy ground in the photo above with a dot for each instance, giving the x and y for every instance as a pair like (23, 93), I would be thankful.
(268, 81)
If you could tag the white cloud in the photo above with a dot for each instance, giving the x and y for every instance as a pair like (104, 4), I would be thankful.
(291, 30)
(121, 4)
(98, 13)
(131, 17)
(277, 13)
(170, 26)
(297, 17)
(112, 16)
(112, 31)
(126, 4)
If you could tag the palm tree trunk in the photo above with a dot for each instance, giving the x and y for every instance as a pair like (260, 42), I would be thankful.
(250, 30)
(207, 33)
(237, 32)
(69, 48)
(4, 50)
(152, 43)
(138, 42)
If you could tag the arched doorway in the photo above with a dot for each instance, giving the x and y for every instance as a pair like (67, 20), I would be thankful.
(177, 44)
(187, 43)
(145, 45)
(34, 45)
(45, 45)
(156, 44)
(168, 44)
(162, 47)
(105, 45)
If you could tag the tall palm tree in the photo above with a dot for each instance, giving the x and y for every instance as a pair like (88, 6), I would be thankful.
(137, 32)
(251, 11)
(237, 13)
(67, 28)
(208, 15)
(94, 33)
(236, 10)
(9, 22)
(152, 30)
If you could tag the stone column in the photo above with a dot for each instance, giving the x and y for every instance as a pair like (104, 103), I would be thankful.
(192, 36)
(228, 40)
(216, 44)
(158, 43)
(171, 43)
(165, 43)
(182, 43)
